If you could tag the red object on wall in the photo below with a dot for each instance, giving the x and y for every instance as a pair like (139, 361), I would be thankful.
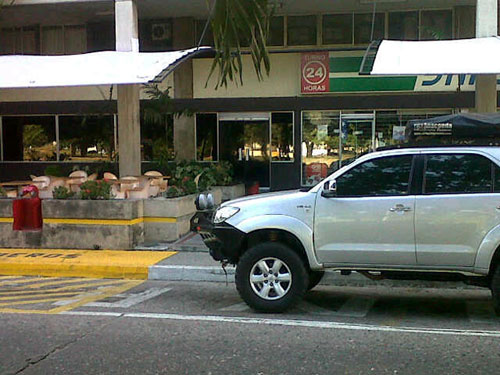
(28, 210)
(317, 169)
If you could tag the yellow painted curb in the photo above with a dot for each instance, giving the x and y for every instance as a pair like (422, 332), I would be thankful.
(116, 264)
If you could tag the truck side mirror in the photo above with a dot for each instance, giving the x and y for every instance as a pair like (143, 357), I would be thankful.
(329, 189)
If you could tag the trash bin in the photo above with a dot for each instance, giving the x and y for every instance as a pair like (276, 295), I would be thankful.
(27, 210)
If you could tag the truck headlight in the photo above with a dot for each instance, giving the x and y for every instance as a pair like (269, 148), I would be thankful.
(225, 213)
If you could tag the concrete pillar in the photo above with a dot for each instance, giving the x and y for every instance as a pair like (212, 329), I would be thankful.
(129, 120)
(486, 85)
(184, 126)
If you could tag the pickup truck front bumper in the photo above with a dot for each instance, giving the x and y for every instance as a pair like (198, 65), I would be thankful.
(223, 240)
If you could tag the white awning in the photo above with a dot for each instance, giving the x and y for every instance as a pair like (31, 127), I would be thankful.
(466, 56)
(97, 68)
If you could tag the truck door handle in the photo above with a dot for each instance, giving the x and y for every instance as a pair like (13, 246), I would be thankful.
(400, 208)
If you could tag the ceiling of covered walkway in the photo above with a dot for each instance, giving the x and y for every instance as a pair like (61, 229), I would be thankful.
(76, 11)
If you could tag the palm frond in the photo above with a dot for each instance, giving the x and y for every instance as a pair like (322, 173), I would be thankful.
(235, 22)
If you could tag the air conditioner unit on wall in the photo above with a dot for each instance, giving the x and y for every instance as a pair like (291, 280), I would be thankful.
(161, 31)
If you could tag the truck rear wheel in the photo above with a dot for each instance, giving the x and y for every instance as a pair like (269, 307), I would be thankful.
(495, 289)
(271, 277)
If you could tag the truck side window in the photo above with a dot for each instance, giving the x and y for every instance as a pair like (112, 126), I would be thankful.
(389, 176)
(457, 174)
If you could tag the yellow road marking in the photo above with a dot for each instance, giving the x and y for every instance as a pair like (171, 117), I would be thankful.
(73, 287)
(81, 297)
(11, 298)
(8, 277)
(32, 302)
(41, 281)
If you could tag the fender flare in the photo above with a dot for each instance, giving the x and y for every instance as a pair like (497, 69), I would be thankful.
(486, 251)
(287, 224)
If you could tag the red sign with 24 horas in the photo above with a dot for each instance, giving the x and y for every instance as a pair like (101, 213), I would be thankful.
(315, 69)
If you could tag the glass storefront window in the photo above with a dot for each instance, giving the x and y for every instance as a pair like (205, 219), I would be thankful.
(157, 138)
(403, 25)
(302, 30)
(436, 24)
(87, 138)
(363, 28)
(29, 138)
(320, 145)
(276, 35)
(337, 29)
(282, 137)
(206, 137)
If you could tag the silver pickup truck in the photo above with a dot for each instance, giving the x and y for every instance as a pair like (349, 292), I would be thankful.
(415, 213)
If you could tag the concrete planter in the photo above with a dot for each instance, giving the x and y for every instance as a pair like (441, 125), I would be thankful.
(167, 219)
(232, 191)
(101, 224)
(77, 224)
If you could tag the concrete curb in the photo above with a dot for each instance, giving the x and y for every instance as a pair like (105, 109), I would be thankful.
(331, 278)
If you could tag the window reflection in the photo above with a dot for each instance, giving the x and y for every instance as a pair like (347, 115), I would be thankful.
(380, 177)
(157, 138)
(320, 145)
(206, 137)
(301, 30)
(29, 138)
(282, 136)
(87, 138)
(403, 25)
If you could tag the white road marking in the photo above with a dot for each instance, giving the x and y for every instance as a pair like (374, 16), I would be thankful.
(481, 312)
(294, 323)
(356, 307)
(132, 300)
(91, 313)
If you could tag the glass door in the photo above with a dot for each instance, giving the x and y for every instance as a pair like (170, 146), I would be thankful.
(245, 142)
(357, 136)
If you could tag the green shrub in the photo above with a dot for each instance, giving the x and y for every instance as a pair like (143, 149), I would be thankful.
(62, 192)
(3, 193)
(95, 190)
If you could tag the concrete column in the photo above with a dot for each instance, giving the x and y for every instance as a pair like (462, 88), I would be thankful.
(486, 85)
(184, 126)
(129, 120)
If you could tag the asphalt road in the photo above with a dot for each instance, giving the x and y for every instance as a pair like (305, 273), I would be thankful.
(203, 328)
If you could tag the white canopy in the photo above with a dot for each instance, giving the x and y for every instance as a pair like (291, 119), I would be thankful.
(466, 56)
(97, 68)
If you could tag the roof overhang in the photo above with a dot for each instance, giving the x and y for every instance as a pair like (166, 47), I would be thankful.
(91, 69)
(465, 56)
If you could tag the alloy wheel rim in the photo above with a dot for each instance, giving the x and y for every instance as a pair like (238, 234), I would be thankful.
(270, 278)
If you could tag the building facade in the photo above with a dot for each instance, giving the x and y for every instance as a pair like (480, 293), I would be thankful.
(311, 115)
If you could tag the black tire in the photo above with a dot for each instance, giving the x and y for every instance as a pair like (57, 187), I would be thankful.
(495, 290)
(271, 299)
(314, 278)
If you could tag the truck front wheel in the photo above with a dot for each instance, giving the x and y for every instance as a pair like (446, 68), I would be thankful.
(271, 277)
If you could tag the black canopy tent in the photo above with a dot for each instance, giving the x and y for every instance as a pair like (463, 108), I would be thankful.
(463, 127)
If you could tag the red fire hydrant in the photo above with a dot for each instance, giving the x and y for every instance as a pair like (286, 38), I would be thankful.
(28, 210)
